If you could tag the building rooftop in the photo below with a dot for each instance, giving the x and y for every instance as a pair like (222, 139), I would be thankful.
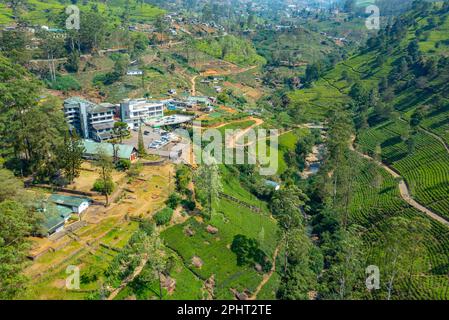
(54, 217)
(92, 107)
(68, 201)
(76, 100)
(124, 151)
(169, 120)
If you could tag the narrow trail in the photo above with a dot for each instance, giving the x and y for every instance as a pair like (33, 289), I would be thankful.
(193, 82)
(403, 187)
(267, 276)
(332, 85)
(128, 279)
(430, 133)
(225, 73)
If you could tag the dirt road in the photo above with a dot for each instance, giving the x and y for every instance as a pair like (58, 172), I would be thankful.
(225, 73)
(266, 277)
(403, 188)
(233, 141)
(130, 278)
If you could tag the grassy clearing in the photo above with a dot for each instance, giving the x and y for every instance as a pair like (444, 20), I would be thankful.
(188, 286)
(214, 249)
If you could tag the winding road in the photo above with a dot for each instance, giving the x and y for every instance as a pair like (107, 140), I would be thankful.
(403, 188)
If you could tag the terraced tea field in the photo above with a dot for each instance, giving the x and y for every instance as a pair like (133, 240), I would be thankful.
(425, 169)
(376, 198)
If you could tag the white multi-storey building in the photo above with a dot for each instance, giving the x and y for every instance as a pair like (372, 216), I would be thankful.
(137, 111)
(91, 121)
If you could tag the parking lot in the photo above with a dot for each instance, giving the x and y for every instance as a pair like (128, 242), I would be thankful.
(150, 136)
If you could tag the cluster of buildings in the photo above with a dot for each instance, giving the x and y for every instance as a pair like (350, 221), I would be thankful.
(96, 121)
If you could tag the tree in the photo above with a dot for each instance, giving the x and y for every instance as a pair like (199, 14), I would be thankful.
(312, 73)
(120, 130)
(52, 48)
(349, 6)
(151, 248)
(303, 148)
(249, 253)
(18, 220)
(345, 255)
(73, 61)
(359, 93)
(400, 248)
(10, 185)
(183, 179)
(285, 206)
(13, 44)
(31, 129)
(121, 64)
(71, 156)
(15, 226)
(300, 278)
(208, 184)
(140, 144)
(104, 183)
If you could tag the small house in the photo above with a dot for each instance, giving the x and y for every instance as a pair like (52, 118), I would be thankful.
(54, 218)
(75, 204)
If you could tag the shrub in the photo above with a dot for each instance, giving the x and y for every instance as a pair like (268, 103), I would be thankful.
(106, 78)
(173, 200)
(147, 226)
(163, 217)
(123, 165)
(64, 83)
(104, 187)
(188, 204)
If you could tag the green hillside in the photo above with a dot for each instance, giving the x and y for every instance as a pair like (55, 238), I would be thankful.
(42, 12)
(232, 49)
(396, 88)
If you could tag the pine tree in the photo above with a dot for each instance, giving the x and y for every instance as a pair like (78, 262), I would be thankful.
(70, 156)
(141, 145)
(104, 183)
(208, 184)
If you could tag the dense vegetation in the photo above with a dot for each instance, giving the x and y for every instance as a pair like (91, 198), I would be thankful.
(232, 49)
(225, 232)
